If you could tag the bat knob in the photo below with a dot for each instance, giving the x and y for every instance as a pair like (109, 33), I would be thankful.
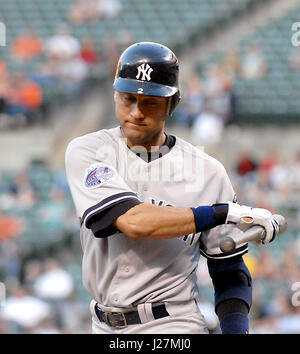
(281, 222)
(227, 245)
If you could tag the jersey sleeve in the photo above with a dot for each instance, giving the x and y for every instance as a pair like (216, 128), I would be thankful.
(99, 193)
(209, 240)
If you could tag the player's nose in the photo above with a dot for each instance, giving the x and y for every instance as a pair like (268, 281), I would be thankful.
(136, 111)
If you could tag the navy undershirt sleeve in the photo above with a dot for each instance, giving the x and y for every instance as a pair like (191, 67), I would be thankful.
(101, 223)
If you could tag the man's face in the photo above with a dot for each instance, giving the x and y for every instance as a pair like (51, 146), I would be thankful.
(141, 117)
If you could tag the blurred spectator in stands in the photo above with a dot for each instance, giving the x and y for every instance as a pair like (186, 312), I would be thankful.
(32, 270)
(47, 73)
(92, 10)
(2, 69)
(22, 97)
(109, 8)
(5, 89)
(72, 72)
(84, 10)
(63, 45)
(9, 227)
(231, 63)
(289, 268)
(208, 126)
(260, 321)
(245, 164)
(124, 40)
(111, 54)
(13, 109)
(54, 282)
(294, 59)
(22, 191)
(266, 267)
(192, 102)
(113, 47)
(280, 175)
(54, 212)
(31, 95)
(89, 53)
(11, 261)
(253, 64)
(270, 160)
(217, 88)
(207, 130)
(64, 56)
(210, 97)
(27, 45)
(24, 309)
(4, 84)
(295, 172)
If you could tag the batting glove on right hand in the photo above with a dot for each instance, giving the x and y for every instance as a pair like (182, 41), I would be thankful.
(244, 217)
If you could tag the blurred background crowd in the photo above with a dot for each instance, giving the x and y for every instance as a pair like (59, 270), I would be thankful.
(239, 85)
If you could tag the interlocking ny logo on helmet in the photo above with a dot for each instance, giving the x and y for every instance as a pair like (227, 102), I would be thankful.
(145, 71)
(148, 68)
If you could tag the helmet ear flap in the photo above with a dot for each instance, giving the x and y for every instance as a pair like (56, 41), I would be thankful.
(173, 102)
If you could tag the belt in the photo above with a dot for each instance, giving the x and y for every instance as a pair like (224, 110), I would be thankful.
(123, 319)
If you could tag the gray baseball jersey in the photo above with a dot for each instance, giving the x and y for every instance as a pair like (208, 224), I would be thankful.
(106, 179)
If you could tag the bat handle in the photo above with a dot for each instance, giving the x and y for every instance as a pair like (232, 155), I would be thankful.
(256, 233)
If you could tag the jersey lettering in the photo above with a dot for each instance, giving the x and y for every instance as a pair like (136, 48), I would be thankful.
(188, 238)
(161, 203)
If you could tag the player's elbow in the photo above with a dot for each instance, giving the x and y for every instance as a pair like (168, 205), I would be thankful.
(135, 229)
(133, 224)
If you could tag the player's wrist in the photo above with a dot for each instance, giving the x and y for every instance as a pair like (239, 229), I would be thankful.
(208, 217)
(221, 212)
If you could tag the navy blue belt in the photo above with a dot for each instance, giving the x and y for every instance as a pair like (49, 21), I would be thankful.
(123, 319)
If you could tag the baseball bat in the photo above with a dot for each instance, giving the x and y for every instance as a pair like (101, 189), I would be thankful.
(255, 233)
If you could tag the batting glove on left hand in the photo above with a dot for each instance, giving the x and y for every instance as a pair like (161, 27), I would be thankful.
(244, 217)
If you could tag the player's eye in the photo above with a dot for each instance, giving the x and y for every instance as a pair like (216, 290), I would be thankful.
(129, 98)
(152, 103)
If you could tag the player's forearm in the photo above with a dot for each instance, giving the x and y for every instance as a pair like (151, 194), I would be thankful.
(152, 221)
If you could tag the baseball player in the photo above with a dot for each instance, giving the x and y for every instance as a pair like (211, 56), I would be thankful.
(149, 204)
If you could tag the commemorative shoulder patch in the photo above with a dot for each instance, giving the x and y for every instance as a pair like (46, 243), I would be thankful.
(98, 174)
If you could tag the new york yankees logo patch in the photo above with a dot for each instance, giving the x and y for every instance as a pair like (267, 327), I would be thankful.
(145, 70)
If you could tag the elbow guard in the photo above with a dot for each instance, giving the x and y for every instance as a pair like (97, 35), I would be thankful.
(231, 279)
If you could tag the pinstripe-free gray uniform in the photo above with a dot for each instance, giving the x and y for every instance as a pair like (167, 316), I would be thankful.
(106, 178)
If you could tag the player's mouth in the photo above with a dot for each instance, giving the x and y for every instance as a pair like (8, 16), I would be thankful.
(136, 124)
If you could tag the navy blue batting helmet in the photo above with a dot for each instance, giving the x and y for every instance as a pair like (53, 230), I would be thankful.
(149, 68)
